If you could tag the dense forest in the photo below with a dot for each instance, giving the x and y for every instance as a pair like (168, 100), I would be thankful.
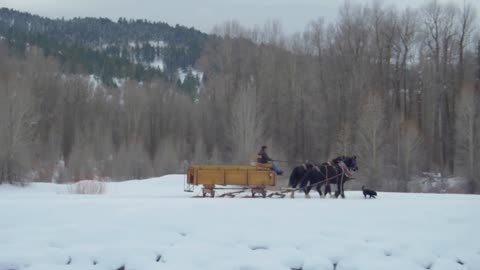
(123, 49)
(398, 88)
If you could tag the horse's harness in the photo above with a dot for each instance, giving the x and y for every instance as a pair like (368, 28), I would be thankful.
(327, 180)
(343, 167)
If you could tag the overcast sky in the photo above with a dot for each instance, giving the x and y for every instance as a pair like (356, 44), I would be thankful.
(202, 14)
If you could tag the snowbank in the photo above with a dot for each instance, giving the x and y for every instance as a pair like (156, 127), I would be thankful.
(153, 224)
(436, 183)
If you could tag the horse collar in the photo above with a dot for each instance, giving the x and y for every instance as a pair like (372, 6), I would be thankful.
(345, 169)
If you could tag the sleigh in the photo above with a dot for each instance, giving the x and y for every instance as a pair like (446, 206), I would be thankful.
(234, 178)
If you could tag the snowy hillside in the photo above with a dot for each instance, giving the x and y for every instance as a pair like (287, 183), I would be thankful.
(153, 224)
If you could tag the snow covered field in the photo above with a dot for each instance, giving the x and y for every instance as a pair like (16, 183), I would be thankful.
(153, 224)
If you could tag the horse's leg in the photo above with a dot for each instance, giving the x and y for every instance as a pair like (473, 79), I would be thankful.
(319, 189)
(342, 180)
(323, 193)
(339, 189)
(328, 190)
(307, 190)
(294, 182)
(292, 193)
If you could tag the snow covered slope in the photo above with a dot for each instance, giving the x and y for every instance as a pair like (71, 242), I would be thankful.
(153, 224)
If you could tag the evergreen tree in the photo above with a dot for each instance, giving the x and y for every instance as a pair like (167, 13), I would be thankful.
(190, 84)
(103, 47)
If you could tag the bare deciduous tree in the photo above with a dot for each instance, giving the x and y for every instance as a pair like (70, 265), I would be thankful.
(409, 149)
(246, 125)
(16, 122)
(468, 130)
(371, 138)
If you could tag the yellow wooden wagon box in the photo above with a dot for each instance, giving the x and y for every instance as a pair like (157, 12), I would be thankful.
(256, 178)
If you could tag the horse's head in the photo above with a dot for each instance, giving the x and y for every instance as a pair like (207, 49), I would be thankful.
(336, 160)
(351, 163)
(308, 165)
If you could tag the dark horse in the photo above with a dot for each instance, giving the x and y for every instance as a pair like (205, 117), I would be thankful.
(298, 173)
(338, 171)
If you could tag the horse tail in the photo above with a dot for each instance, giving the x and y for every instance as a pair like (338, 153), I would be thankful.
(305, 179)
(292, 181)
